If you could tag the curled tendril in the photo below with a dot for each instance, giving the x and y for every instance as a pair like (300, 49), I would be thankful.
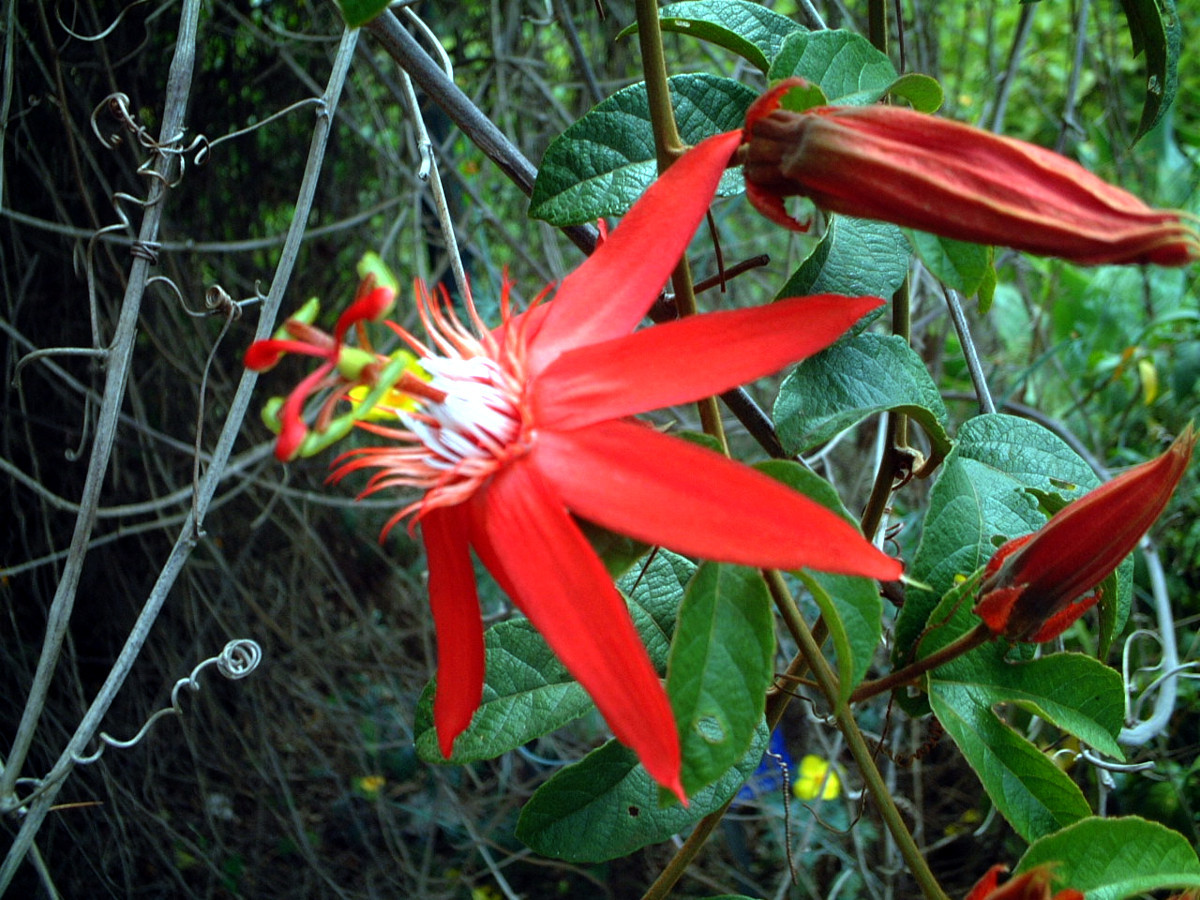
(104, 33)
(237, 660)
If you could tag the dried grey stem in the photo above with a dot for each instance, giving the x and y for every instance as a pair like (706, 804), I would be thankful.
(177, 89)
(974, 366)
(120, 358)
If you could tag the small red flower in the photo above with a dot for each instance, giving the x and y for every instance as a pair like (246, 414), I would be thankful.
(1036, 586)
(1032, 885)
(920, 171)
(520, 426)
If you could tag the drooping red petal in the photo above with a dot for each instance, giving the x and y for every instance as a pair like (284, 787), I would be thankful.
(766, 201)
(611, 292)
(263, 355)
(455, 607)
(560, 584)
(370, 306)
(663, 490)
(687, 359)
(291, 420)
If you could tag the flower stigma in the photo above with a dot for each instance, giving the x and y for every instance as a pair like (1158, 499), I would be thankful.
(463, 422)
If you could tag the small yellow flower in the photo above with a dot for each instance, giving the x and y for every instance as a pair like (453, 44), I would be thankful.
(817, 779)
(369, 786)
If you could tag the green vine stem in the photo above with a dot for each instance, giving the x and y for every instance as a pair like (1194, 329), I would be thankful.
(668, 146)
(872, 778)
(976, 637)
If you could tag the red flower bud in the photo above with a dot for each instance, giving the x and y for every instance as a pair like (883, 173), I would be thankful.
(936, 175)
(1031, 885)
(1033, 586)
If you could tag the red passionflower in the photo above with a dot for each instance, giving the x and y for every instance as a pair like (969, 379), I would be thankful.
(1036, 586)
(521, 426)
(1035, 884)
(936, 175)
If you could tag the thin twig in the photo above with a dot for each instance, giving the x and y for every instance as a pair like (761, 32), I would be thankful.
(970, 354)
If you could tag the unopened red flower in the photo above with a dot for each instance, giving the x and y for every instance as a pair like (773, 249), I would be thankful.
(1036, 586)
(521, 426)
(1036, 884)
(946, 178)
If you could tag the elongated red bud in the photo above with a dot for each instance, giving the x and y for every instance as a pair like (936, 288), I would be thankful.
(1035, 586)
(933, 174)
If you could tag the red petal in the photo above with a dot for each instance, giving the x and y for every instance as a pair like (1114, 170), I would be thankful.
(561, 585)
(987, 883)
(263, 355)
(291, 421)
(687, 359)
(455, 607)
(371, 307)
(769, 102)
(663, 490)
(770, 204)
(611, 292)
(996, 607)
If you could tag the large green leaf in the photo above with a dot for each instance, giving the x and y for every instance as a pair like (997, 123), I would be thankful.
(1109, 859)
(527, 693)
(748, 29)
(855, 257)
(855, 378)
(606, 806)
(601, 164)
(1033, 794)
(843, 64)
(720, 668)
(967, 268)
(1154, 28)
(987, 493)
(654, 590)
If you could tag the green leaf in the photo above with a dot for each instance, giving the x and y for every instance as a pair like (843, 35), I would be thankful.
(1109, 859)
(601, 164)
(1154, 28)
(720, 668)
(923, 92)
(843, 64)
(855, 257)
(1033, 794)
(528, 693)
(1073, 692)
(851, 606)
(856, 378)
(359, 12)
(966, 268)
(606, 806)
(655, 590)
(982, 497)
(748, 29)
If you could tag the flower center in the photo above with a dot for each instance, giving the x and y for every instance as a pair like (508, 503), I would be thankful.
(479, 418)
